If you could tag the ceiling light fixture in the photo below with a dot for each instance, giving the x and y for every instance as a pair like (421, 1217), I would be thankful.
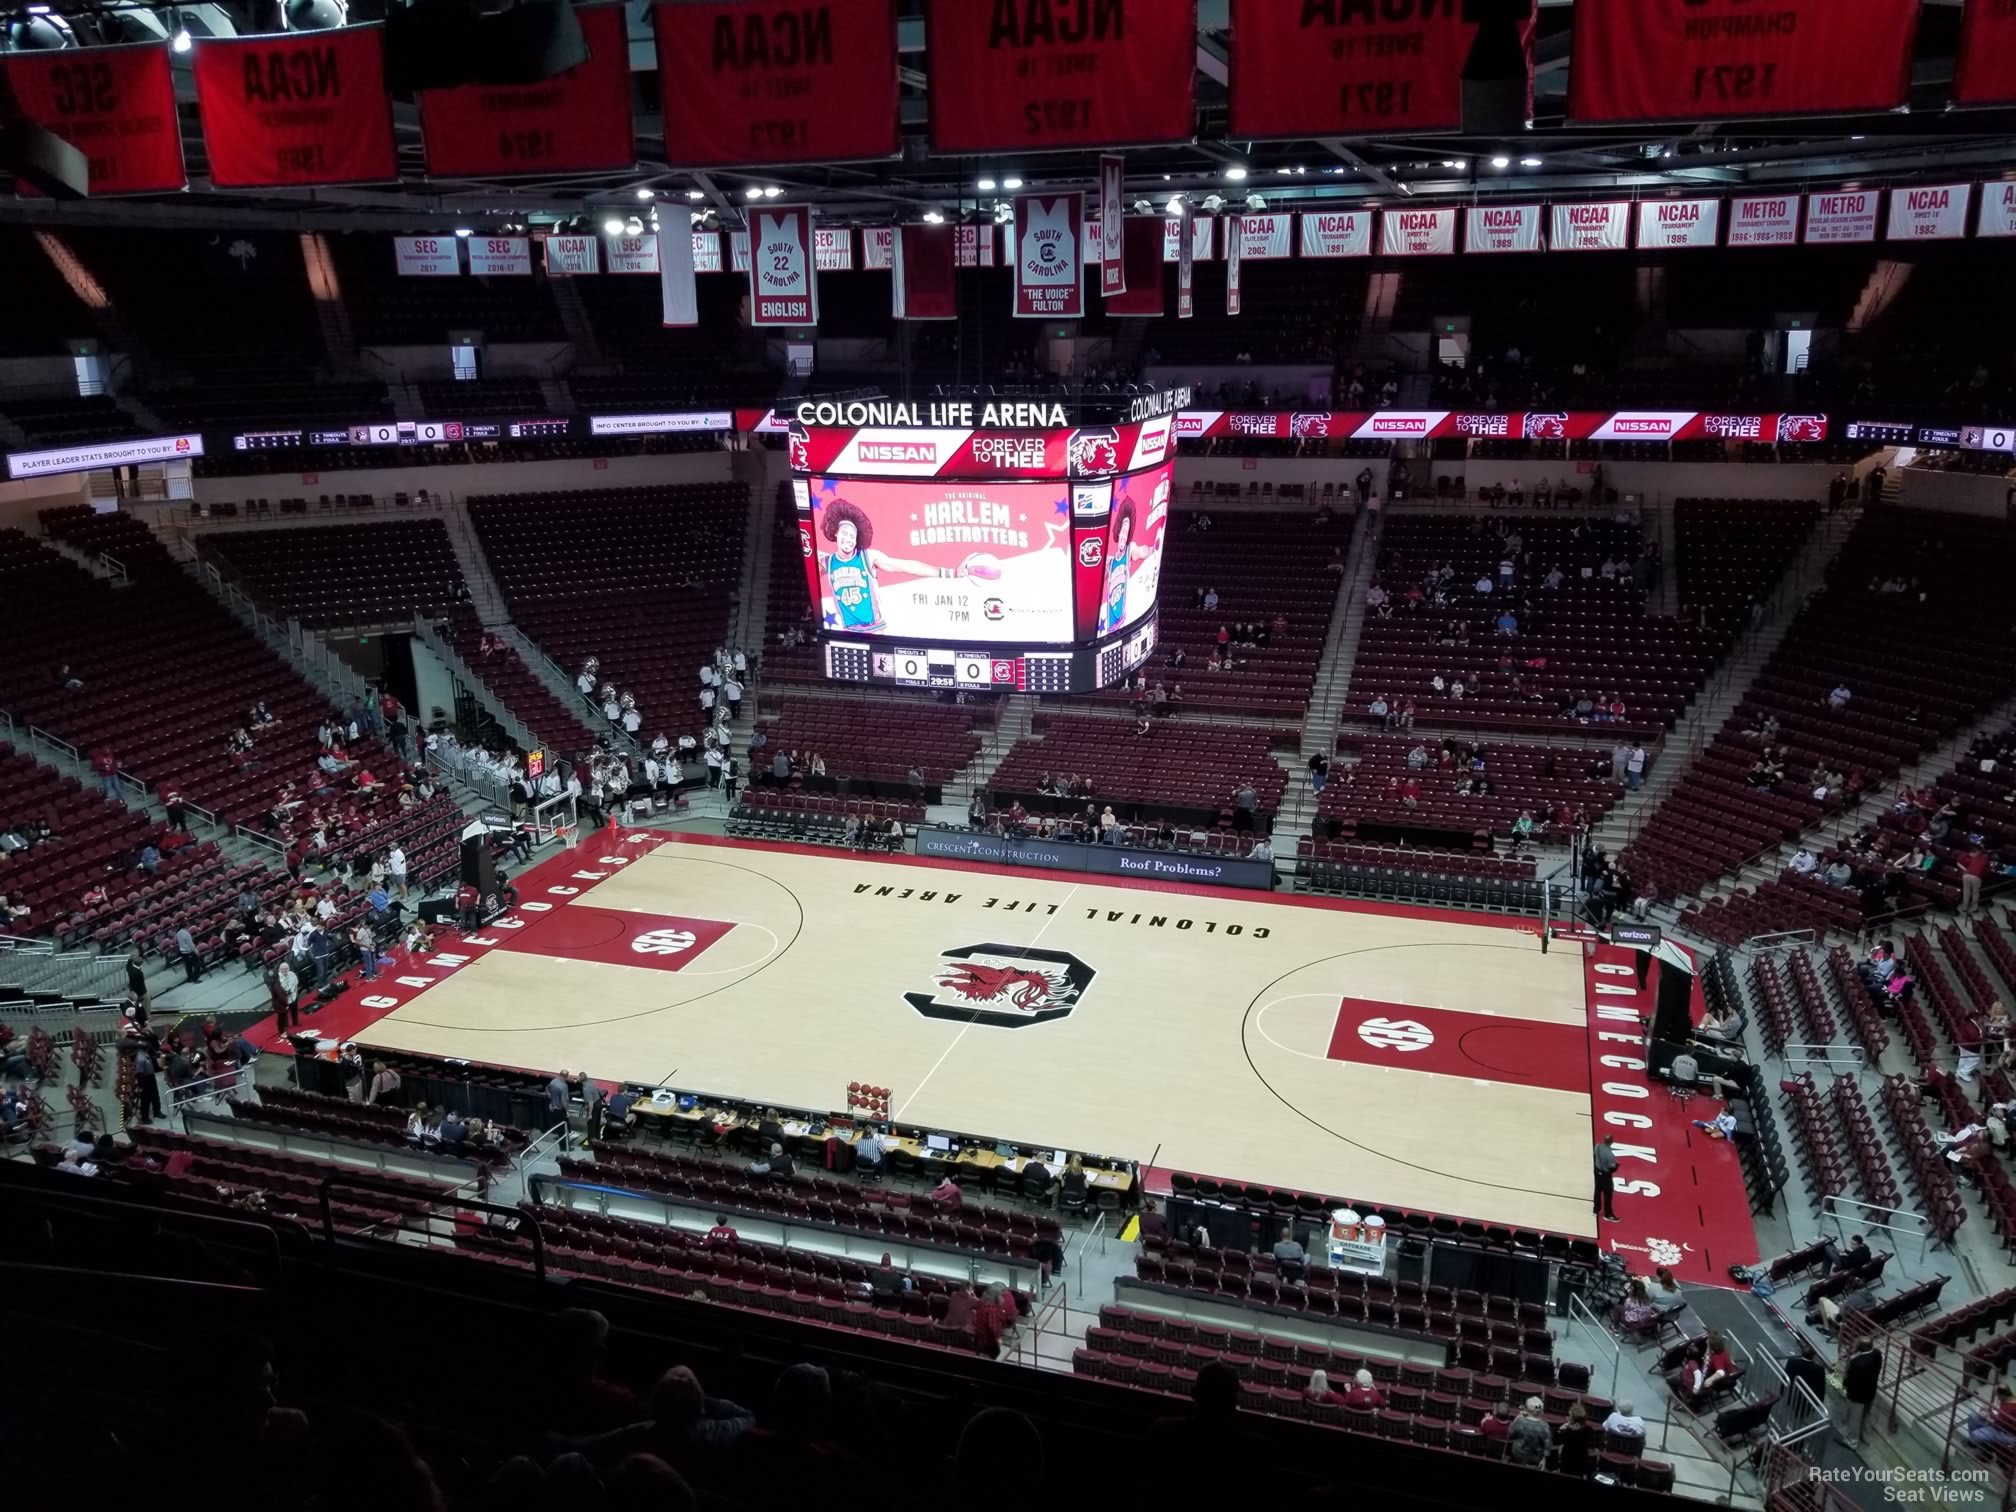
(754, 193)
(613, 225)
(1175, 205)
(696, 194)
(933, 218)
(987, 186)
(1529, 162)
(647, 194)
(771, 191)
(1011, 183)
(1501, 162)
(1235, 174)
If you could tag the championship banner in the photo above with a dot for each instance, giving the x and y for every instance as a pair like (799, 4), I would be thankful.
(574, 122)
(1336, 233)
(1985, 72)
(678, 291)
(778, 81)
(1186, 264)
(1666, 224)
(1201, 232)
(1501, 228)
(116, 105)
(707, 252)
(1325, 70)
(1842, 216)
(1141, 253)
(925, 286)
(1235, 237)
(1417, 233)
(1602, 227)
(1030, 76)
(1049, 280)
(1931, 212)
(878, 248)
(572, 256)
(783, 277)
(738, 251)
(1998, 209)
(833, 249)
(1764, 220)
(1266, 237)
(297, 108)
(631, 254)
(427, 256)
(501, 256)
(1112, 183)
(973, 247)
(1694, 60)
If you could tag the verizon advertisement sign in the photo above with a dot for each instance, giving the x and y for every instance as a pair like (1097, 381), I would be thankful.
(1937, 212)
(1340, 233)
(1842, 217)
(1591, 228)
(1502, 228)
(69, 459)
(1764, 220)
(1665, 224)
(1417, 233)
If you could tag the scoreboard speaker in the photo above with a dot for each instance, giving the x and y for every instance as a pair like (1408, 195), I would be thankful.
(479, 868)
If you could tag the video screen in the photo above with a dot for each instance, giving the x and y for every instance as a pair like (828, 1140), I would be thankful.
(1133, 571)
(958, 562)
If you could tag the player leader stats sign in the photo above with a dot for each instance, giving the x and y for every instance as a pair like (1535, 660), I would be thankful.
(574, 122)
(1690, 60)
(116, 105)
(1044, 75)
(298, 108)
(766, 81)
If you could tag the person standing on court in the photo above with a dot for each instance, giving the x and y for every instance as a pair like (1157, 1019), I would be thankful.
(1606, 1180)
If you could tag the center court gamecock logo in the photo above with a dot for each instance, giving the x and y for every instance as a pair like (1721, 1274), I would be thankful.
(1404, 1035)
(1005, 986)
(663, 942)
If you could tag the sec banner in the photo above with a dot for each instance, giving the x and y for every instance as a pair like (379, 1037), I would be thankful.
(116, 105)
(297, 108)
(783, 273)
(1692, 60)
(1985, 72)
(1319, 68)
(1049, 278)
(427, 256)
(778, 81)
(509, 256)
(1041, 75)
(574, 122)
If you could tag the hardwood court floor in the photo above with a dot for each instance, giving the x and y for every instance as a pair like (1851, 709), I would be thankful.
(1205, 1032)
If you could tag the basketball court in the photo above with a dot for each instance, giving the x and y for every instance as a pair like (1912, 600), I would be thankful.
(1415, 1058)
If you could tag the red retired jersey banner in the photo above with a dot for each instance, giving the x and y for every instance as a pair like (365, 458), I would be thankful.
(299, 108)
(778, 81)
(1691, 60)
(783, 271)
(1141, 253)
(574, 122)
(116, 105)
(1049, 277)
(1112, 266)
(1318, 68)
(1046, 75)
(1985, 73)
(924, 285)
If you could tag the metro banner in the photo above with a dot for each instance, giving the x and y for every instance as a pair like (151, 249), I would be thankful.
(1038, 76)
(116, 105)
(1529, 425)
(1301, 69)
(297, 108)
(779, 81)
(1695, 60)
(574, 122)
(1764, 220)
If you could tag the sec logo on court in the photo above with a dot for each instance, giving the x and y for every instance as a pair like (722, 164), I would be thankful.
(1404, 1035)
(663, 942)
(1006, 986)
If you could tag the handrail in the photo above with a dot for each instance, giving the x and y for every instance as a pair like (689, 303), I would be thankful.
(155, 1216)
(347, 1181)
(1085, 1243)
(1580, 1312)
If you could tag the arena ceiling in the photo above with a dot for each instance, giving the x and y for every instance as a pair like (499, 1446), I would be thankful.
(1548, 158)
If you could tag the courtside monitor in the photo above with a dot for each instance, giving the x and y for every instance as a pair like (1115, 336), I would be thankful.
(944, 551)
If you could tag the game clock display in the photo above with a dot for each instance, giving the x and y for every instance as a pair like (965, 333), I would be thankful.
(1079, 669)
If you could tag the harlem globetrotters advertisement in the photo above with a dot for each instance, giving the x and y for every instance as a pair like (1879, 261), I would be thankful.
(1133, 565)
(957, 562)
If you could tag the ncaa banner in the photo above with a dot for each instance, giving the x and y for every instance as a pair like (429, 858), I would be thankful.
(1235, 238)
(1931, 212)
(833, 249)
(1847, 215)
(501, 256)
(1985, 72)
(1417, 233)
(116, 105)
(1049, 279)
(1665, 224)
(878, 248)
(1501, 228)
(1998, 210)
(924, 285)
(707, 252)
(572, 256)
(1186, 263)
(574, 122)
(1300, 69)
(783, 273)
(1200, 237)
(1764, 220)
(1604, 227)
(1112, 266)
(631, 254)
(1336, 233)
(427, 256)
(1266, 237)
(297, 108)
(1039, 76)
(678, 290)
(1694, 60)
(778, 81)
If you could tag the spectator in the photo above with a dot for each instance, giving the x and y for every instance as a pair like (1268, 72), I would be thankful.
(1578, 1440)
(191, 957)
(1995, 1428)
(776, 1165)
(1318, 1390)
(1529, 1438)
(1245, 801)
(1624, 1420)
(1288, 1255)
(1364, 1393)
(947, 1197)
(1497, 1423)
